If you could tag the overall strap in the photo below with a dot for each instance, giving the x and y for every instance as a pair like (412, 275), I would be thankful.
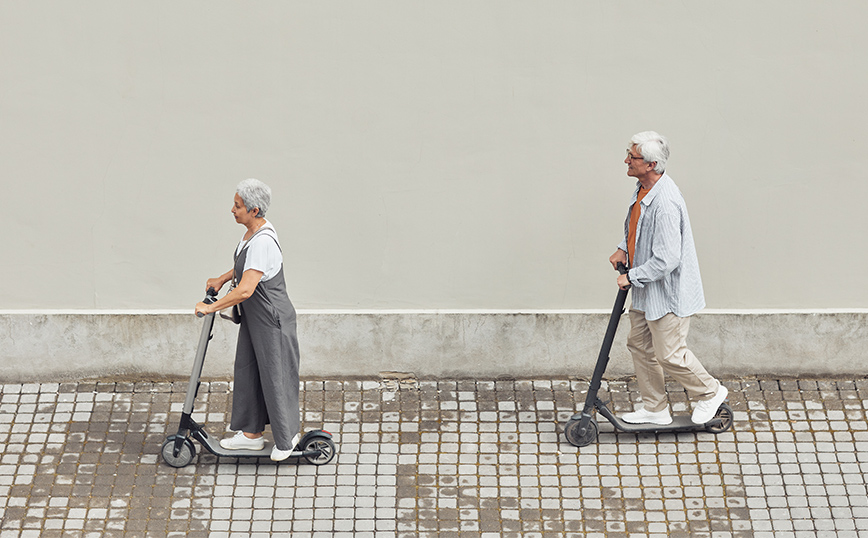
(235, 278)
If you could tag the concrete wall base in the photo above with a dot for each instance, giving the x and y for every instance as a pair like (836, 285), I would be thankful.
(66, 346)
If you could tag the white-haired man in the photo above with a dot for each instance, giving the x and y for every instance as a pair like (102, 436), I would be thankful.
(667, 289)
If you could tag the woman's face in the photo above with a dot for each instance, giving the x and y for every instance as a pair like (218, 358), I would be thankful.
(239, 211)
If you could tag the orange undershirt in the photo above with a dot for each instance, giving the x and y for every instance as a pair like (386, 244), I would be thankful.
(634, 221)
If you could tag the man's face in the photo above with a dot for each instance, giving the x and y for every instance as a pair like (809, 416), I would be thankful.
(636, 166)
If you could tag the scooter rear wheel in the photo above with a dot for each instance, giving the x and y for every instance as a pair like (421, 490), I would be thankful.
(185, 455)
(325, 448)
(725, 416)
(571, 431)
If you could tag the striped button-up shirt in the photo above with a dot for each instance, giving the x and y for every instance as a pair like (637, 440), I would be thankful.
(665, 272)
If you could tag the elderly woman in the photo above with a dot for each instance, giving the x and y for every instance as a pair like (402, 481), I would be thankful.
(266, 357)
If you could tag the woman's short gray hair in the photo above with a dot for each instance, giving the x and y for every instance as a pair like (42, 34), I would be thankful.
(653, 147)
(255, 193)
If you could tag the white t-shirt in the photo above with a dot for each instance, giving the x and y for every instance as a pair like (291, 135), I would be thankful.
(263, 254)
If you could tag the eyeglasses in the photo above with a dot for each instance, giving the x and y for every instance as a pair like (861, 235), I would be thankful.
(630, 156)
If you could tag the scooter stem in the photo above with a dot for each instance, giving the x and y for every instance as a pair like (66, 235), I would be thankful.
(603, 358)
(608, 340)
(199, 362)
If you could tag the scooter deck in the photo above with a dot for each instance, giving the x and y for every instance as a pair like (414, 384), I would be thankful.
(213, 446)
(680, 423)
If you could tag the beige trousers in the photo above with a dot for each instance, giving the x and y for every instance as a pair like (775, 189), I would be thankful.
(659, 347)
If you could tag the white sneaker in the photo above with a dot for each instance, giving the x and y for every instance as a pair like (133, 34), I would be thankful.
(239, 441)
(280, 455)
(643, 416)
(706, 409)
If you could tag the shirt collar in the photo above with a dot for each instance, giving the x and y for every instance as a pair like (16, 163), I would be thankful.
(653, 192)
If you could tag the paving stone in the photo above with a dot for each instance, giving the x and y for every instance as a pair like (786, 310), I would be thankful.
(463, 458)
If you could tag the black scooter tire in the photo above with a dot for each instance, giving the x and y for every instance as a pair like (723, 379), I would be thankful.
(325, 449)
(185, 455)
(571, 432)
(724, 414)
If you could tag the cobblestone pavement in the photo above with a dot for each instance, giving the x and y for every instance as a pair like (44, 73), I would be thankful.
(437, 458)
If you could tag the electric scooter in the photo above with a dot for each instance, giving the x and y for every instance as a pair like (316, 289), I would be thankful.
(581, 429)
(316, 446)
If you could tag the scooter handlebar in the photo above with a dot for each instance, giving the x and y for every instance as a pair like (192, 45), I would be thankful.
(210, 298)
(623, 270)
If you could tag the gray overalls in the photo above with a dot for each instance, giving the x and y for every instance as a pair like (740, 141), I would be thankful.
(266, 360)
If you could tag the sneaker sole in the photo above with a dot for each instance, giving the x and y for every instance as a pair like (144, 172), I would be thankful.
(254, 448)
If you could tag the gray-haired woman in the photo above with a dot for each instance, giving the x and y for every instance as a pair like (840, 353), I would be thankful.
(266, 357)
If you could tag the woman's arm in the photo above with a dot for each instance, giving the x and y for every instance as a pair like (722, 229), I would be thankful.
(249, 280)
(218, 282)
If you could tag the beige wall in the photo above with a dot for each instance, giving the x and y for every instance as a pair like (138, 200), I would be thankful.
(428, 155)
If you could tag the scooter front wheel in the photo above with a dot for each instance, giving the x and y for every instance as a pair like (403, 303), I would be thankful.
(723, 422)
(575, 438)
(185, 454)
(325, 450)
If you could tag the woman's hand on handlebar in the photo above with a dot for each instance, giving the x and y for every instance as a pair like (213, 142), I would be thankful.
(215, 283)
(203, 309)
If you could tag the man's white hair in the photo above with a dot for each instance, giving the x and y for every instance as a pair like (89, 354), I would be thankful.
(255, 193)
(654, 147)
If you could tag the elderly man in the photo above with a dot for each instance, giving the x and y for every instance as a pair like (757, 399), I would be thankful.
(667, 289)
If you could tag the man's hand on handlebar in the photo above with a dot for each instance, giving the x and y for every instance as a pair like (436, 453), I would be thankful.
(619, 263)
(623, 282)
(618, 257)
